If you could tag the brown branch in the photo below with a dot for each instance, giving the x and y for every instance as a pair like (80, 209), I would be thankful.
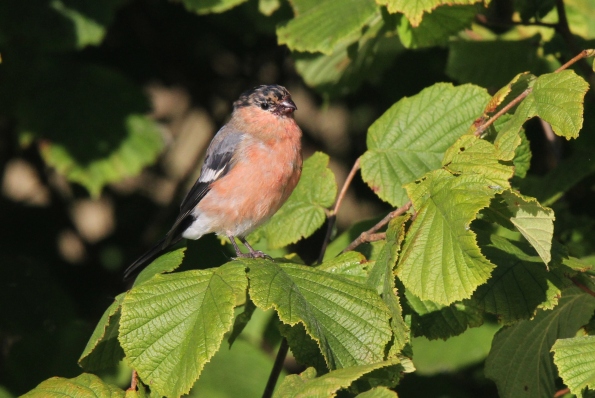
(332, 214)
(370, 234)
(582, 287)
(521, 96)
(479, 131)
(561, 393)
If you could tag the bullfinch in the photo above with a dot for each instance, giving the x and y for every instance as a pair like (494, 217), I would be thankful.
(251, 167)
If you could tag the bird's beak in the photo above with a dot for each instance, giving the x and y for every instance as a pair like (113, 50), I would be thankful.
(288, 105)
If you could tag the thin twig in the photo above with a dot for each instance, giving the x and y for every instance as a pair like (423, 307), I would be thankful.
(479, 131)
(521, 96)
(562, 392)
(332, 218)
(581, 55)
(365, 236)
(563, 28)
(276, 371)
(582, 287)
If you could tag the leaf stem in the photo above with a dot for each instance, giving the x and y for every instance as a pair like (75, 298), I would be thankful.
(582, 287)
(562, 392)
(276, 371)
(371, 235)
(332, 218)
(479, 131)
(133, 381)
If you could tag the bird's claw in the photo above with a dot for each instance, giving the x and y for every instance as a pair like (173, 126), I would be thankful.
(254, 254)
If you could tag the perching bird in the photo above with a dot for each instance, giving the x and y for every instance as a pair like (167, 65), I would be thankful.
(251, 167)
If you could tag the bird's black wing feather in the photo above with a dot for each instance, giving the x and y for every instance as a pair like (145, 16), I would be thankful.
(218, 162)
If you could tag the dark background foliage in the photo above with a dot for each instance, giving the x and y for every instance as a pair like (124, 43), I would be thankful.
(62, 251)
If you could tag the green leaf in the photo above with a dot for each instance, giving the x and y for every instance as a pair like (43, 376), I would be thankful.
(456, 353)
(410, 138)
(350, 64)
(437, 27)
(471, 155)
(436, 321)
(348, 321)
(57, 25)
(509, 126)
(102, 136)
(240, 372)
(304, 349)
(383, 280)
(103, 349)
(519, 285)
(351, 265)
(533, 221)
(574, 359)
(558, 99)
(210, 6)
(414, 10)
(173, 324)
(85, 385)
(522, 157)
(378, 392)
(164, 263)
(440, 260)
(491, 63)
(307, 384)
(268, 7)
(304, 211)
(530, 372)
(319, 25)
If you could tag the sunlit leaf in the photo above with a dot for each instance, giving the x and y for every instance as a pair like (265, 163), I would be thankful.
(210, 6)
(436, 27)
(85, 385)
(173, 324)
(307, 384)
(320, 25)
(348, 320)
(574, 359)
(441, 261)
(382, 279)
(414, 9)
(411, 137)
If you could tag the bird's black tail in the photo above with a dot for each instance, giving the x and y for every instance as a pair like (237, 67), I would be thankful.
(149, 256)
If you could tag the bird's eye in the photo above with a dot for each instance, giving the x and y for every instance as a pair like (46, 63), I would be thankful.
(264, 106)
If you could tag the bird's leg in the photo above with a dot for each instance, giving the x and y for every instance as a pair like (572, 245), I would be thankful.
(254, 253)
(239, 253)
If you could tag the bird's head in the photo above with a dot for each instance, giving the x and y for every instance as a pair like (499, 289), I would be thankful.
(269, 98)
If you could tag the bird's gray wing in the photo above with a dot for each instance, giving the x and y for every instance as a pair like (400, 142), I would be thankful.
(219, 160)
